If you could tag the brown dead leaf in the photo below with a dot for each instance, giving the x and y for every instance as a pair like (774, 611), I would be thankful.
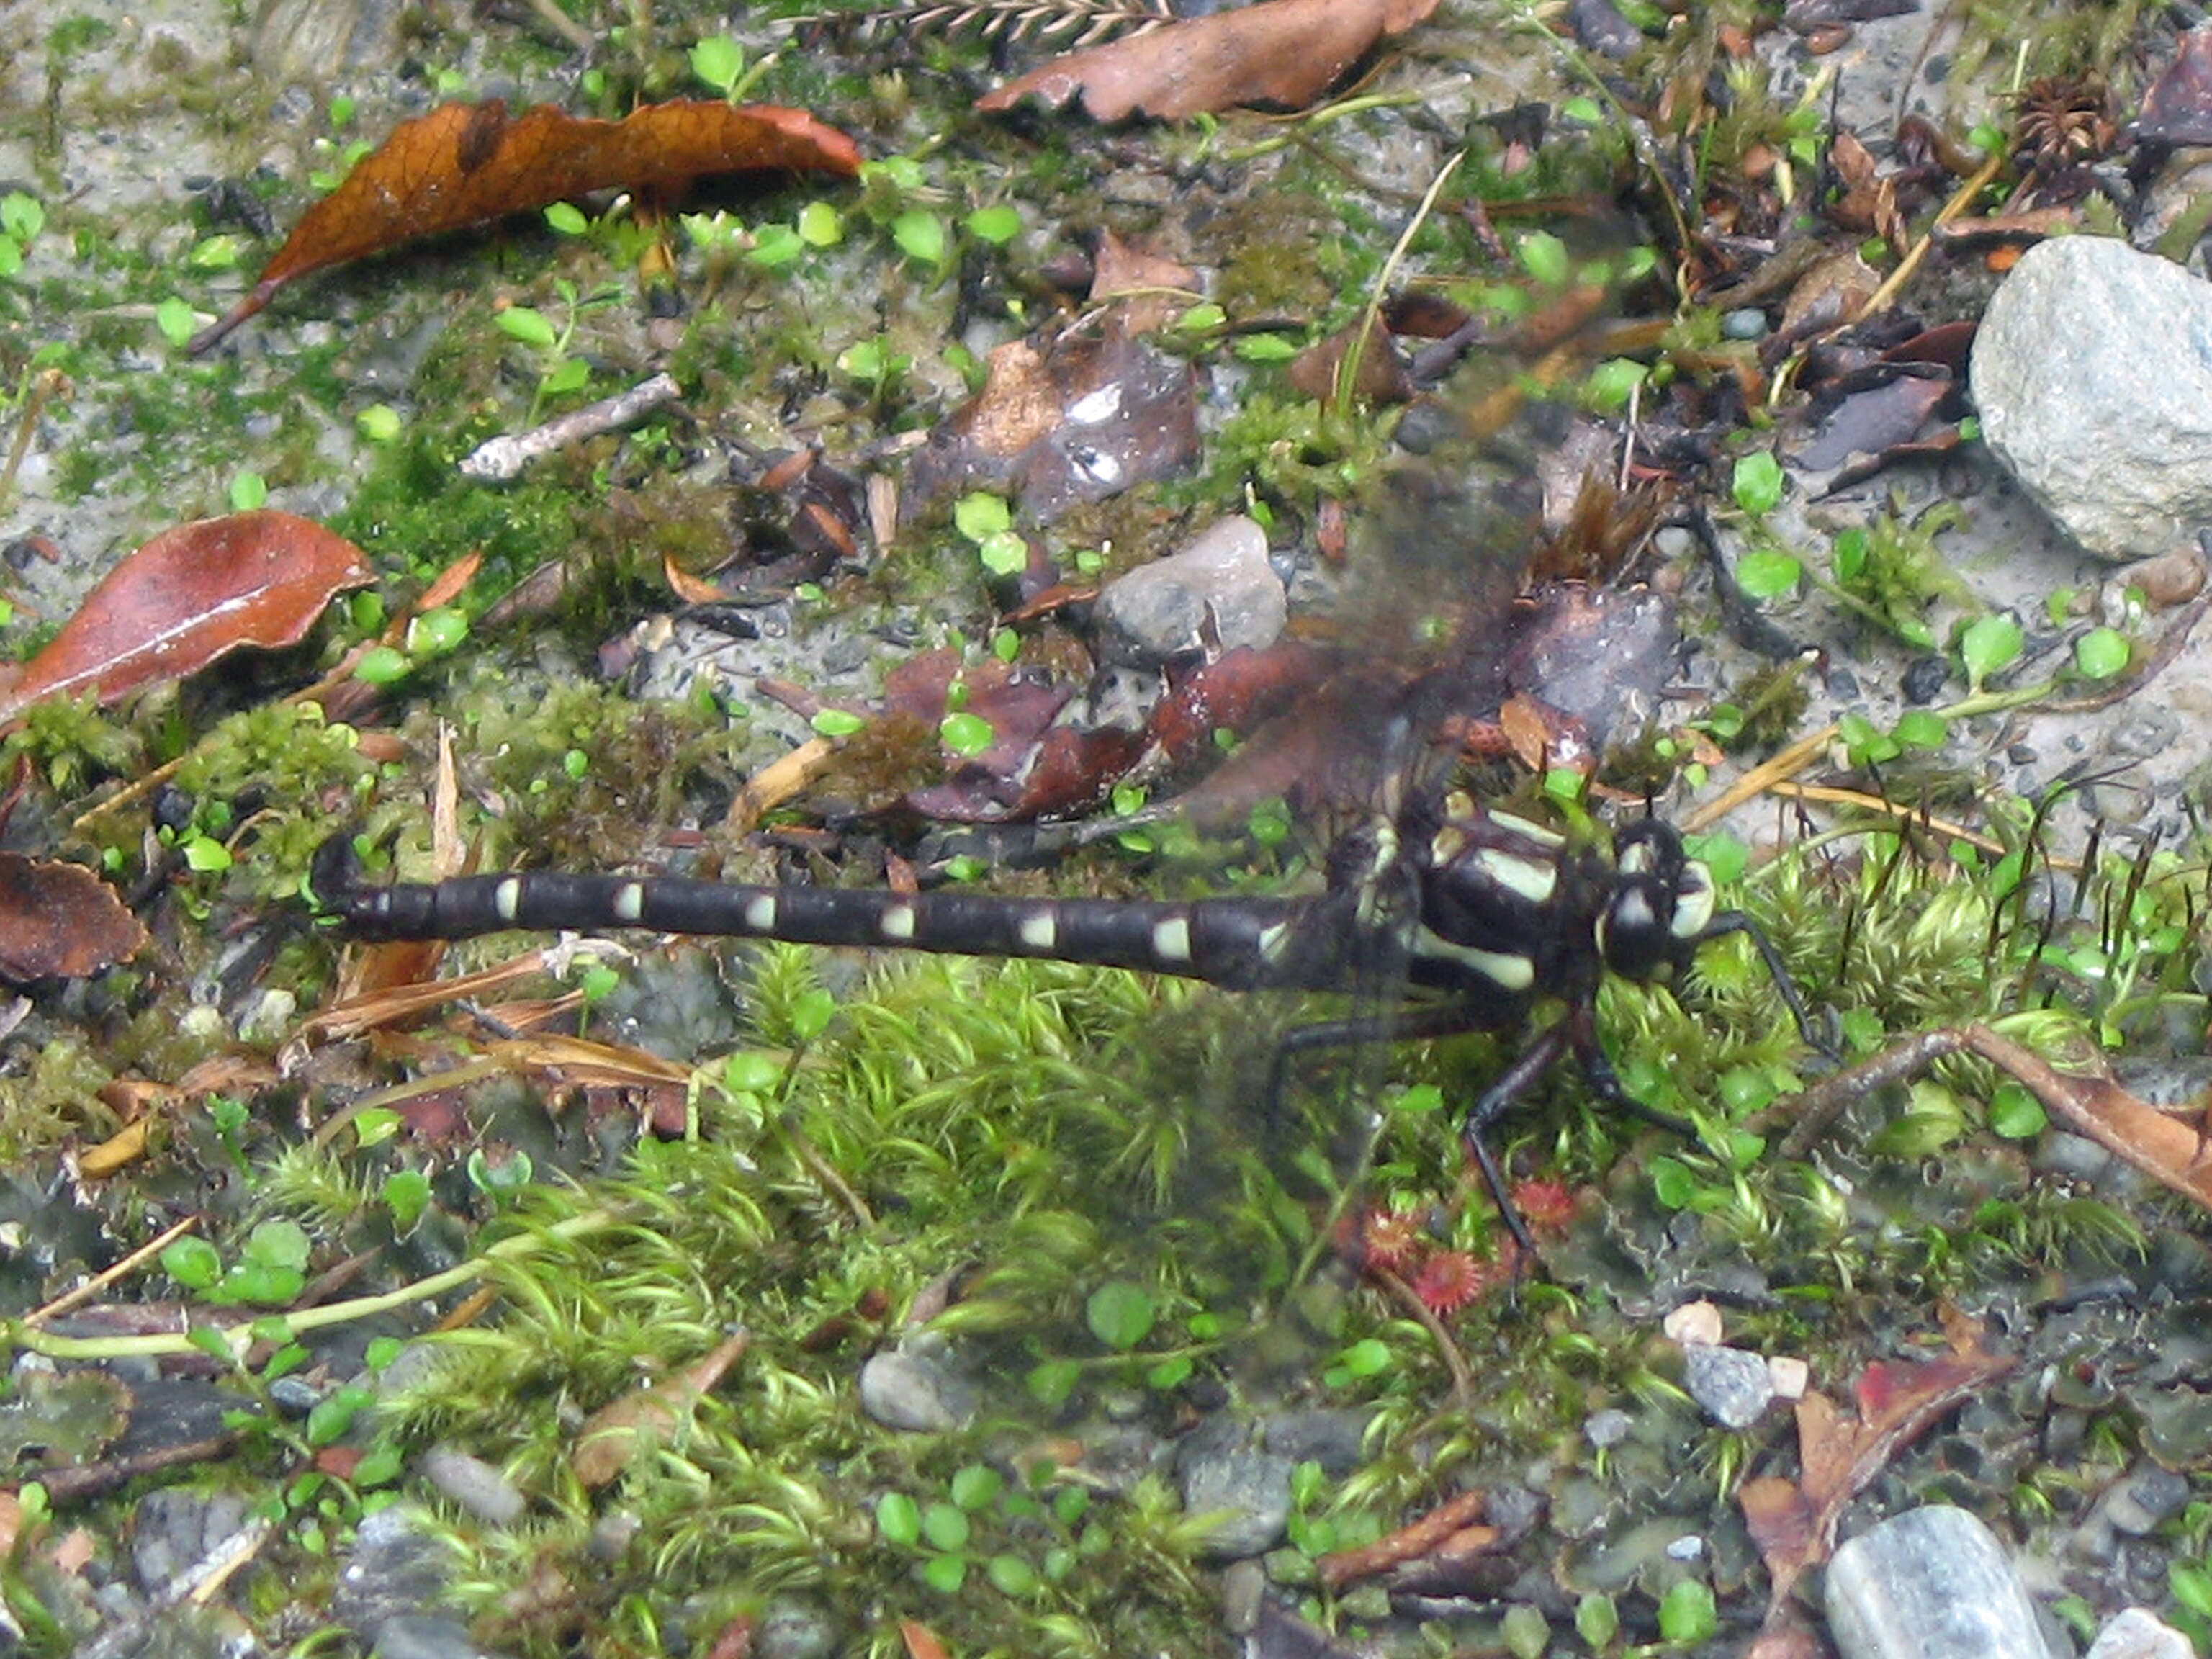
(1280, 52)
(1793, 1523)
(617, 1433)
(59, 921)
(1150, 289)
(2165, 1146)
(1084, 418)
(190, 595)
(466, 164)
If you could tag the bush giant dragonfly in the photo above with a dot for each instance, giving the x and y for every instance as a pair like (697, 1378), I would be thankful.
(1478, 915)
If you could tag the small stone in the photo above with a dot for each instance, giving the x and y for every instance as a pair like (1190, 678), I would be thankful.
(475, 1485)
(2138, 1504)
(1219, 592)
(1931, 1584)
(1789, 1375)
(424, 1635)
(1924, 680)
(2167, 579)
(1247, 1491)
(1242, 1585)
(1335, 1439)
(2093, 375)
(916, 1389)
(1744, 323)
(1732, 1384)
(2137, 1633)
(1606, 1428)
(1694, 1324)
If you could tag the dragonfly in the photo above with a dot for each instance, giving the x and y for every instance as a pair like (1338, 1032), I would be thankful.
(1480, 916)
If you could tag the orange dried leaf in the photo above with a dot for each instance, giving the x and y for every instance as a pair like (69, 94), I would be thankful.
(466, 164)
(1282, 52)
(59, 920)
(190, 595)
(119, 1151)
(615, 1434)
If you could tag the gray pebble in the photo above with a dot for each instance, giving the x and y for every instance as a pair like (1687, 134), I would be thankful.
(1733, 1385)
(1931, 1584)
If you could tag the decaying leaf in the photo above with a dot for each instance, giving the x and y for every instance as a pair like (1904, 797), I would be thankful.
(617, 1433)
(1793, 1523)
(1280, 52)
(59, 921)
(1079, 420)
(466, 164)
(2177, 108)
(190, 595)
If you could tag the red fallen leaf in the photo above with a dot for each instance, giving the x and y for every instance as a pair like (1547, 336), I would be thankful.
(1283, 53)
(1794, 1523)
(2177, 108)
(190, 595)
(59, 921)
(463, 164)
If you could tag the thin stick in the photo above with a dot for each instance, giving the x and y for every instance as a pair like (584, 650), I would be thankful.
(99, 1282)
(1348, 371)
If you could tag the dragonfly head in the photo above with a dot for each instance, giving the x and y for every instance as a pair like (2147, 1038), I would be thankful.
(1660, 905)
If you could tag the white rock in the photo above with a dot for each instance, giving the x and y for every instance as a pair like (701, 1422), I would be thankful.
(2093, 375)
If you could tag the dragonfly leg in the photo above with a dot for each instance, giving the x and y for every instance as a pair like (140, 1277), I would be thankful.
(1410, 1025)
(1580, 1028)
(1734, 921)
(1492, 1104)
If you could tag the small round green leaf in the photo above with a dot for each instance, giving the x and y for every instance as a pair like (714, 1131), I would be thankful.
(568, 218)
(776, 246)
(2015, 1114)
(920, 235)
(719, 61)
(1688, 1613)
(2102, 652)
(1121, 1315)
(175, 318)
(995, 225)
(1544, 257)
(979, 516)
(1990, 645)
(1921, 728)
(1005, 553)
(820, 225)
(946, 1574)
(1369, 1357)
(192, 1263)
(1757, 483)
(838, 723)
(946, 1526)
(1767, 575)
(898, 1519)
(528, 326)
(977, 1486)
(1012, 1575)
(966, 735)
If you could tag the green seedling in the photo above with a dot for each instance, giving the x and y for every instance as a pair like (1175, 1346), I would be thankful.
(720, 62)
(22, 219)
(559, 374)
